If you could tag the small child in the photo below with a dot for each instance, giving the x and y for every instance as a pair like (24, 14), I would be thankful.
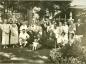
(35, 44)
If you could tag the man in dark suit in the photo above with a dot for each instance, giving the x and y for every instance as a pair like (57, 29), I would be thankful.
(79, 28)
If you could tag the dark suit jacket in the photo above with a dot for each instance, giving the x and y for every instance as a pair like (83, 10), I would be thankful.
(79, 29)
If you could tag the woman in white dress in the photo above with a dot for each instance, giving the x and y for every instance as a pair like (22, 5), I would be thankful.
(5, 33)
(56, 32)
(14, 34)
(35, 14)
(72, 29)
(59, 34)
(65, 31)
(65, 28)
(60, 28)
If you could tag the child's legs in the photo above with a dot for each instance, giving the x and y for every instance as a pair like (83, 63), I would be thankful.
(33, 48)
(25, 43)
(20, 42)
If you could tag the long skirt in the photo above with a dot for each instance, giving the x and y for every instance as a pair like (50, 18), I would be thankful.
(5, 38)
(14, 38)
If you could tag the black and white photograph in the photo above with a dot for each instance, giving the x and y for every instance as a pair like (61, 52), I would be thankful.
(42, 31)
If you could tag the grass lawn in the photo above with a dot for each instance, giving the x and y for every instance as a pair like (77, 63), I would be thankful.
(24, 56)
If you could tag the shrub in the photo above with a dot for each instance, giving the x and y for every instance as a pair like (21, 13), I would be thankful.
(74, 54)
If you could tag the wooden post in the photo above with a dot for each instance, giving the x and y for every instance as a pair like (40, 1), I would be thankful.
(70, 15)
(59, 18)
(29, 15)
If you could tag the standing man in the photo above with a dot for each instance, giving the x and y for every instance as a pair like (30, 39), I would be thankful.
(79, 28)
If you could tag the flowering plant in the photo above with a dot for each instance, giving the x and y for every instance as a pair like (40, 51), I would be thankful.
(58, 56)
(55, 54)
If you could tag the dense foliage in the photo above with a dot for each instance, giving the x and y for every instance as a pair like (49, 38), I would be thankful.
(74, 54)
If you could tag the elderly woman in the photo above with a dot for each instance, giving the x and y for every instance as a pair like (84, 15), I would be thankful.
(14, 34)
(5, 34)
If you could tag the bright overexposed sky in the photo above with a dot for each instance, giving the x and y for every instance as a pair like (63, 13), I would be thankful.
(78, 2)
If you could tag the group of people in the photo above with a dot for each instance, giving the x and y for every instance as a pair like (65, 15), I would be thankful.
(7, 30)
(18, 35)
(62, 32)
(51, 29)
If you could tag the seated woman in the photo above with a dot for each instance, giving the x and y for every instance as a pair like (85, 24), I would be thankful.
(23, 26)
(23, 38)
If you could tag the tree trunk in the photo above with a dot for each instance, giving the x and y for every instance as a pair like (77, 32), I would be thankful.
(29, 16)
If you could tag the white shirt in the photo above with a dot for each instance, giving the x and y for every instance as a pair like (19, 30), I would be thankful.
(24, 36)
(35, 44)
(65, 28)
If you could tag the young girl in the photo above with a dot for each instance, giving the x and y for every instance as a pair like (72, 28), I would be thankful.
(35, 44)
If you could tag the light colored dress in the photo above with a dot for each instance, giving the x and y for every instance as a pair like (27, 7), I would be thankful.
(72, 28)
(5, 33)
(56, 32)
(14, 34)
(59, 39)
(60, 29)
(65, 29)
(35, 44)
(65, 37)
